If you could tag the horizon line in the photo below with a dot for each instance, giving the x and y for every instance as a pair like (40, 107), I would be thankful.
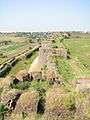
(84, 31)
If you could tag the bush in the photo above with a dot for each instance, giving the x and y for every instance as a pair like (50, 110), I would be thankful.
(3, 110)
(70, 102)
(21, 85)
(55, 46)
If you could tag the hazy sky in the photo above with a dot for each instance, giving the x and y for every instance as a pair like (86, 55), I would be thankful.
(44, 15)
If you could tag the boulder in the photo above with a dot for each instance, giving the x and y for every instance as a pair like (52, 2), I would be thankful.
(6, 83)
(9, 98)
(36, 75)
(23, 75)
(27, 103)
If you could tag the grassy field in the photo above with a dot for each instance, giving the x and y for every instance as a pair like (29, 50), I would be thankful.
(80, 56)
(78, 66)
(64, 69)
(16, 46)
(12, 37)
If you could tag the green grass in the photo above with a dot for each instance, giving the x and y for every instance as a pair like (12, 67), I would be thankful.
(17, 45)
(23, 64)
(79, 64)
(64, 69)
(11, 37)
(78, 46)
(40, 84)
(11, 47)
(10, 50)
(22, 85)
(3, 111)
(80, 54)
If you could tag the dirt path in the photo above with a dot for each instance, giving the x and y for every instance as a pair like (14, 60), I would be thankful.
(83, 85)
(35, 66)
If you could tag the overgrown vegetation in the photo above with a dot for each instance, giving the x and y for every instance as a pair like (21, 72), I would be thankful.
(41, 86)
(64, 69)
(22, 85)
(3, 111)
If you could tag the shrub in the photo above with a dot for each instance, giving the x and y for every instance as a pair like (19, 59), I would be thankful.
(3, 110)
(21, 85)
(55, 46)
(70, 102)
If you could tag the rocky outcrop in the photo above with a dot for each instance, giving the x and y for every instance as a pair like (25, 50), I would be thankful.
(9, 98)
(27, 103)
(7, 82)
(23, 75)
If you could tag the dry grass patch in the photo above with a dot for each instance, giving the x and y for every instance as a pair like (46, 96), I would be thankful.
(59, 104)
